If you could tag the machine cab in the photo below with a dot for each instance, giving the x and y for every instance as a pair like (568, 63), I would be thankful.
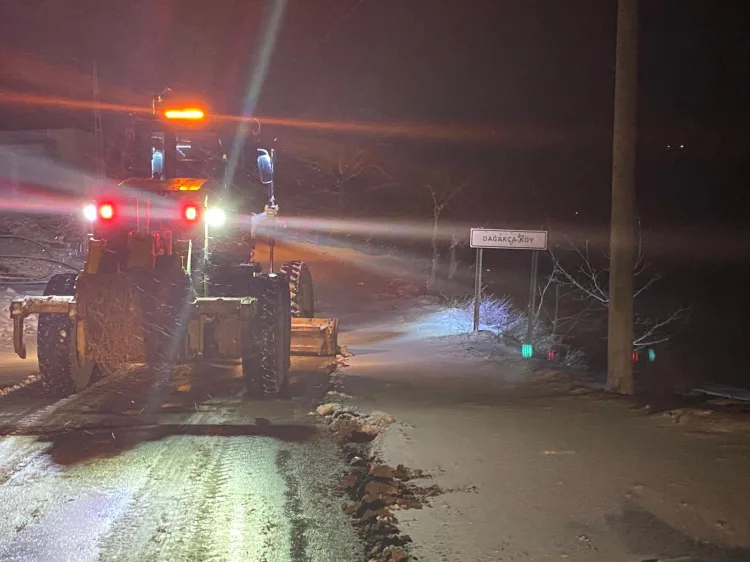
(177, 172)
(182, 187)
(183, 141)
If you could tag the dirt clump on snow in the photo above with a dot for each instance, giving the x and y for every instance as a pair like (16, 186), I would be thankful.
(735, 420)
(326, 409)
(347, 425)
(375, 491)
(550, 374)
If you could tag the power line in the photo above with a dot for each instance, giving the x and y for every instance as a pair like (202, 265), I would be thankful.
(339, 23)
(330, 31)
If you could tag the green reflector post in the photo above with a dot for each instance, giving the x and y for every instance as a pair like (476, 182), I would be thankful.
(527, 350)
(651, 355)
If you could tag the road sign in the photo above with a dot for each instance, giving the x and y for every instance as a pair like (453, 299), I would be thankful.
(509, 239)
(490, 238)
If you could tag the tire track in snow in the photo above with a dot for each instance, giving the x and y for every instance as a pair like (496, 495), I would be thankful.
(74, 507)
(144, 495)
(243, 515)
(166, 507)
(107, 396)
(298, 539)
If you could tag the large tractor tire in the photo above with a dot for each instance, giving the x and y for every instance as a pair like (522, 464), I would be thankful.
(300, 288)
(266, 360)
(59, 366)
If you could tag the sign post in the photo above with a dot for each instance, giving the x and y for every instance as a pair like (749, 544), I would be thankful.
(477, 288)
(527, 350)
(486, 238)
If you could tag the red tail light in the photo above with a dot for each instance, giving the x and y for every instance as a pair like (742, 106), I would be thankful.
(106, 211)
(190, 212)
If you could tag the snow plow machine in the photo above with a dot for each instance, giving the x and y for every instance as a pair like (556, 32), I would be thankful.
(170, 275)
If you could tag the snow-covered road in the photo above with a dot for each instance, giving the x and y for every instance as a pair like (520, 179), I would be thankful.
(178, 466)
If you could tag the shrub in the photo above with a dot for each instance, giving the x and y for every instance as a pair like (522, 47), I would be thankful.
(499, 316)
(496, 314)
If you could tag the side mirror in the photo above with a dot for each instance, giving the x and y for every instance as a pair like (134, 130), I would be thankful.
(265, 167)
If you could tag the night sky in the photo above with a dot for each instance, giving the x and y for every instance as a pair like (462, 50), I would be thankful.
(530, 65)
(534, 61)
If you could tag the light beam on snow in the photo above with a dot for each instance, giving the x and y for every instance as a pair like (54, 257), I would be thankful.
(288, 228)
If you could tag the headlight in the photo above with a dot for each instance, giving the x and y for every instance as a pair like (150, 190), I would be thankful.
(215, 217)
(90, 213)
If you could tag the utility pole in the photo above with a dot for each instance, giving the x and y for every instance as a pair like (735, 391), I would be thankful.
(622, 236)
(531, 319)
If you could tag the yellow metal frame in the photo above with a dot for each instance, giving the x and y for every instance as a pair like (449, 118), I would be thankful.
(230, 318)
(174, 184)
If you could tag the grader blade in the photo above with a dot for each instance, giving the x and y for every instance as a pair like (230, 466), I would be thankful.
(315, 336)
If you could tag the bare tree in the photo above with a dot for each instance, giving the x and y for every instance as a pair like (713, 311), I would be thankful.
(561, 305)
(580, 285)
(442, 189)
(336, 167)
(456, 241)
